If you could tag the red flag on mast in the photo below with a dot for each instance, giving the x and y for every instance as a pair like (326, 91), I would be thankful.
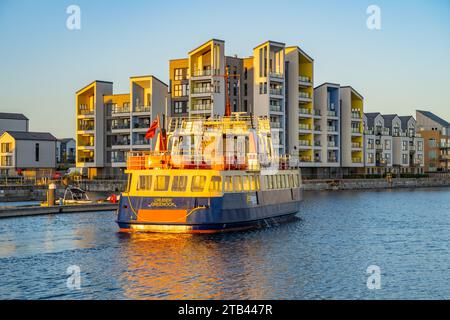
(152, 130)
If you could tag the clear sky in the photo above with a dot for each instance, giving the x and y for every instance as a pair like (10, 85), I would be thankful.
(402, 67)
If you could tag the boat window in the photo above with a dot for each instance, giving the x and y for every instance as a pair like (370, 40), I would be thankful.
(162, 183)
(179, 183)
(269, 182)
(228, 184)
(256, 182)
(215, 184)
(296, 181)
(247, 183)
(145, 182)
(283, 181)
(291, 181)
(198, 183)
(237, 183)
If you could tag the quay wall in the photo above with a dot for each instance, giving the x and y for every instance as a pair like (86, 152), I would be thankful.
(367, 184)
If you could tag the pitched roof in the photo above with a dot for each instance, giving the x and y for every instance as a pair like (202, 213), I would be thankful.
(65, 140)
(371, 118)
(404, 120)
(12, 116)
(388, 118)
(435, 118)
(38, 136)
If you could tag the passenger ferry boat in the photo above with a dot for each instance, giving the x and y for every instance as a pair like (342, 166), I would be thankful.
(210, 175)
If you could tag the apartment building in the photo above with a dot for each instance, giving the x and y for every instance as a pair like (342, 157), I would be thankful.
(352, 130)
(27, 153)
(378, 145)
(327, 113)
(303, 129)
(436, 134)
(179, 87)
(65, 150)
(13, 122)
(111, 125)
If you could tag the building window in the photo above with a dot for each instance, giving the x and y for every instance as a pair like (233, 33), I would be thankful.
(234, 89)
(245, 73)
(235, 105)
(245, 106)
(6, 147)
(178, 107)
(179, 74)
(245, 89)
(404, 159)
(432, 143)
(177, 90)
(387, 145)
(404, 145)
(36, 152)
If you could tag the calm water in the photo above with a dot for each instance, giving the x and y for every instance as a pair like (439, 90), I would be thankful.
(324, 254)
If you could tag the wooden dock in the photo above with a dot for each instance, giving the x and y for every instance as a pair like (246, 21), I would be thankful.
(38, 211)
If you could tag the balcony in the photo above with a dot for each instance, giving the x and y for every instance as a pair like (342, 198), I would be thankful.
(332, 160)
(304, 143)
(317, 128)
(356, 130)
(85, 112)
(305, 159)
(140, 109)
(304, 80)
(276, 75)
(370, 146)
(141, 142)
(331, 129)
(86, 159)
(275, 125)
(202, 107)
(356, 115)
(116, 111)
(141, 125)
(304, 111)
(356, 160)
(202, 90)
(275, 108)
(332, 144)
(86, 127)
(332, 113)
(317, 144)
(120, 127)
(119, 159)
(304, 96)
(121, 143)
(304, 127)
(356, 145)
(205, 73)
(276, 92)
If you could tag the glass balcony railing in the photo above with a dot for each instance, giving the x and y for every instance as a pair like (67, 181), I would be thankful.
(317, 143)
(356, 160)
(331, 144)
(86, 159)
(120, 110)
(304, 143)
(86, 112)
(142, 142)
(332, 160)
(276, 92)
(317, 128)
(303, 126)
(197, 90)
(356, 115)
(120, 127)
(304, 79)
(332, 113)
(275, 125)
(305, 159)
(304, 95)
(331, 129)
(141, 125)
(356, 145)
(304, 111)
(277, 75)
(86, 127)
(121, 143)
(275, 108)
(201, 107)
(205, 72)
(356, 130)
(142, 109)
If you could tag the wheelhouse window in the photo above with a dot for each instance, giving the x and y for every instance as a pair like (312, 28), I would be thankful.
(216, 184)
(228, 184)
(237, 183)
(179, 183)
(145, 183)
(198, 183)
(162, 183)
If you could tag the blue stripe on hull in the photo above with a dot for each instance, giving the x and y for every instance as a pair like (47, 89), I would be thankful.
(228, 212)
